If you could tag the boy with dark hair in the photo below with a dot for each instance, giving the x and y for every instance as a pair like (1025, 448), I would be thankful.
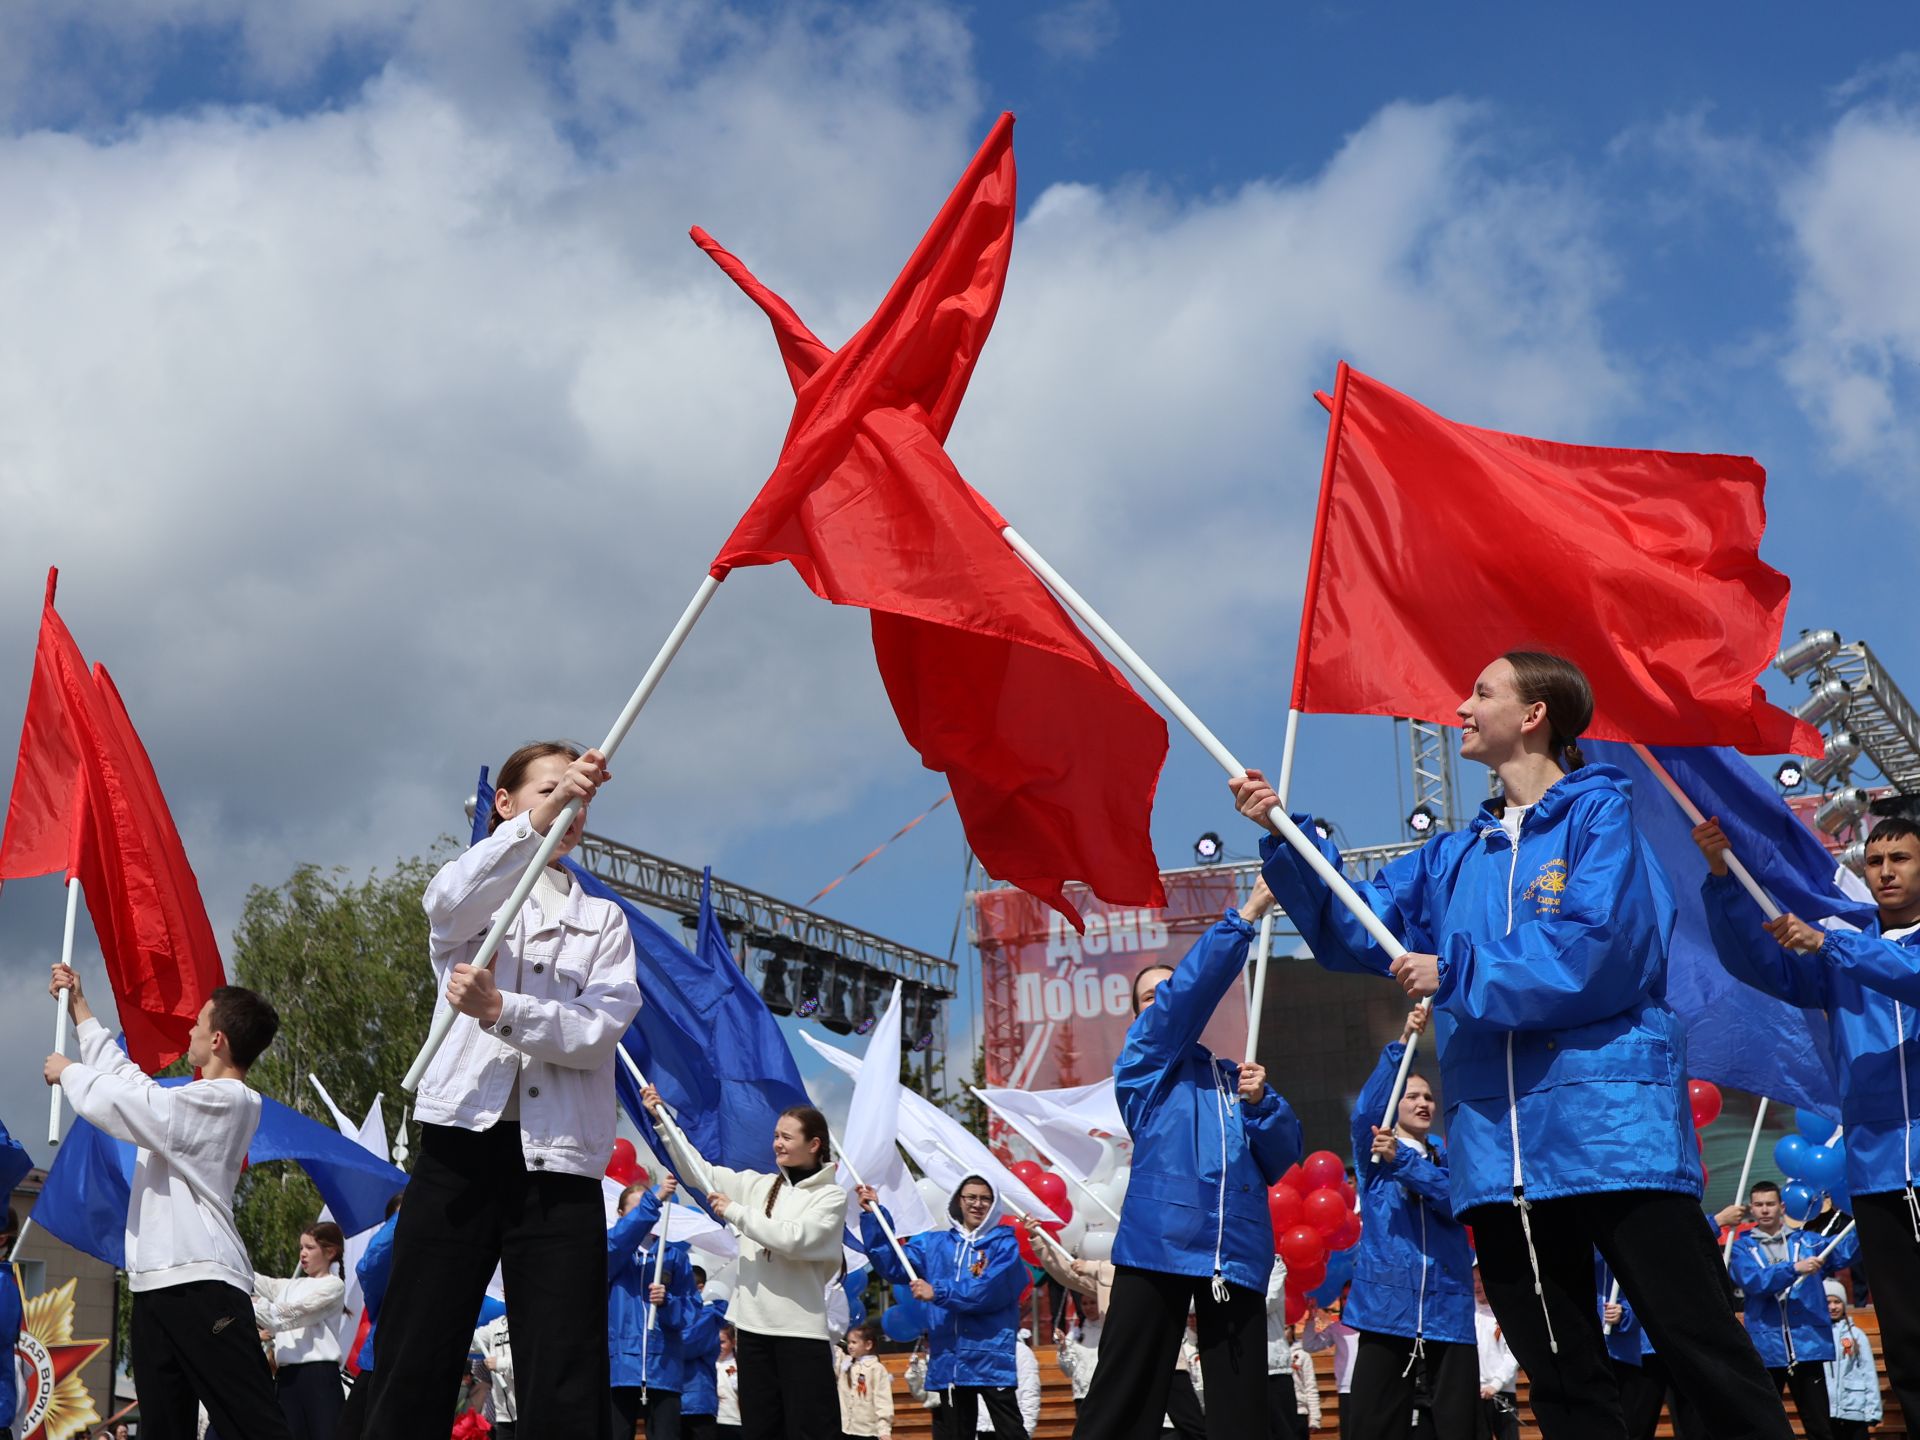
(193, 1335)
(1786, 1308)
(1868, 982)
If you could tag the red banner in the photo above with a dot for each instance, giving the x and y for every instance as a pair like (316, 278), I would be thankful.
(1057, 1005)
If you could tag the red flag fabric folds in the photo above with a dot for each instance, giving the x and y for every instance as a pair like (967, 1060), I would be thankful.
(1052, 758)
(1438, 546)
(117, 837)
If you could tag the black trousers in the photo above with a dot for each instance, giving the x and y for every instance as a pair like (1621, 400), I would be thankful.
(1659, 1247)
(1284, 1418)
(194, 1345)
(659, 1408)
(1849, 1429)
(1140, 1342)
(311, 1399)
(959, 1412)
(1892, 1257)
(1808, 1382)
(1643, 1395)
(1499, 1417)
(786, 1387)
(472, 1203)
(1184, 1414)
(1389, 1388)
(696, 1427)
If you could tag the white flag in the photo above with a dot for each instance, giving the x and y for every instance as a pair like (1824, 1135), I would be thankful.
(869, 1139)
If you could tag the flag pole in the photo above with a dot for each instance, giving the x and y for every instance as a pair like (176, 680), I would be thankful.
(1613, 1298)
(1685, 802)
(1019, 1129)
(1281, 821)
(665, 1119)
(1262, 950)
(1746, 1171)
(19, 1239)
(444, 1014)
(886, 1226)
(659, 1266)
(1821, 1258)
(63, 1007)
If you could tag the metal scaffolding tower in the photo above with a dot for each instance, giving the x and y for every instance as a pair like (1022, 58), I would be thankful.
(1863, 715)
(1430, 748)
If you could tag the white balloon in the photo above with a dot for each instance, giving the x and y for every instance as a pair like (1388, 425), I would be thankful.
(1108, 1162)
(1072, 1233)
(1095, 1245)
(935, 1198)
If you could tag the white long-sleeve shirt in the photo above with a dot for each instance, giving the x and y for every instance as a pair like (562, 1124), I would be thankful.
(1079, 1353)
(492, 1343)
(1498, 1369)
(192, 1142)
(303, 1315)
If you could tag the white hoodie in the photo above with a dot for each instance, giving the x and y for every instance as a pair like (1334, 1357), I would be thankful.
(788, 1258)
(193, 1139)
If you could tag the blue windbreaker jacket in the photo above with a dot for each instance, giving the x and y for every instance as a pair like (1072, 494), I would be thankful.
(1551, 1017)
(376, 1264)
(1870, 989)
(701, 1349)
(656, 1359)
(1786, 1312)
(1202, 1161)
(1413, 1272)
(977, 1277)
(11, 1313)
(1628, 1343)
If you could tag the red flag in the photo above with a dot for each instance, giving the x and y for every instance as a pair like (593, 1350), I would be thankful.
(1052, 758)
(117, 838)
(1439, 546)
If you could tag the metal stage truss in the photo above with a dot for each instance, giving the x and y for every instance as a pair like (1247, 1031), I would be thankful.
(804, 963)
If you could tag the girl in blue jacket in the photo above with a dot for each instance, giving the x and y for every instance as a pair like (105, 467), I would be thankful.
(647, 1323)
(970, 1276)
(1412, 1296)
(1540, 934)
(1209, 1137)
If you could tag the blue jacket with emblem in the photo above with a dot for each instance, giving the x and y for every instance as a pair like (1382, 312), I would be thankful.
(1196, 1203)
(1786, 1311)
(1552, 1001)
(653, 1358)
(977, 1277)
(1870, 988)
(701, 1349)
(1413, 1271)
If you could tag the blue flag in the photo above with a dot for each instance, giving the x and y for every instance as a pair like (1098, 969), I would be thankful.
(14, 1164)
(1736, 1035)
(90, 1183)
(482, 809)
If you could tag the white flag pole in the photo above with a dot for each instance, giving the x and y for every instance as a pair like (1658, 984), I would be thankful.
(1821, 1258)
(886, 1227)
(659, 1266)
(445, 1014)
(702, 1181)
(1264, 948)
(1685, 802)
(63, 1008)
(1613, 1298)
(1019, 1128)
(1746, 1171)
(19, 1239)
(1277, 816)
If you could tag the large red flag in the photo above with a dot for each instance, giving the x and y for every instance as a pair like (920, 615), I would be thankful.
(1052, 758)
(115, 835)
(1438, 546)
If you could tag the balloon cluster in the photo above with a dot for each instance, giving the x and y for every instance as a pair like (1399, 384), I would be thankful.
(624, 1168)
(1815, 1163)
(1315, 1228)
(1703, 1098)
(1052, 1190)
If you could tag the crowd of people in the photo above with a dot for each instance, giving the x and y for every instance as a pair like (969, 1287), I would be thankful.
(1555, 1233)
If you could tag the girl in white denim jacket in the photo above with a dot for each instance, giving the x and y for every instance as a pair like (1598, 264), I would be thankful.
(517, 1113)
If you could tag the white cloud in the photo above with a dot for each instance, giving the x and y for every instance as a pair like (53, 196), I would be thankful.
(376, 439)
(1077, 30)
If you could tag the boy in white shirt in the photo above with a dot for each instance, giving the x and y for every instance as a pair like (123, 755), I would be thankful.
(193, 1334)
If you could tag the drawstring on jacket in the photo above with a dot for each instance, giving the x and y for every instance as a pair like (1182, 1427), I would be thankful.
(1520, 1201)
(1220, 1221)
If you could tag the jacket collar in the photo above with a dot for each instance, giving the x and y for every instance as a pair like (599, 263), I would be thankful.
(1552, 807)
(572, 915)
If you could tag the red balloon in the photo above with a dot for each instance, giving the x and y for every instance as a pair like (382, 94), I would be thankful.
(1052, 1189)
(1027, 1172)
(1296, 1180)
(1296, 1308)
(1283, 1203)
(1347, 1236)
(1352, 1195)
(1326, 1211)
(1307, 1278)
(1704, 1097)
(625, 1163)
(1302, 1246)
(1324, 1170)
(1470, 1241)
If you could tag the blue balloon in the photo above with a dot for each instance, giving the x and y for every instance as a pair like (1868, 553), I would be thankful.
(903, 1294)
(904, 1323)
(856, 1312)
(1791, 1156)
(1825, 1167)
(1802, 1202)
(1339, 1272)
(1817, 1128)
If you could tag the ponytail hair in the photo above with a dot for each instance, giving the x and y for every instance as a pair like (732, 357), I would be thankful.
(1547, 679)
(514, 772)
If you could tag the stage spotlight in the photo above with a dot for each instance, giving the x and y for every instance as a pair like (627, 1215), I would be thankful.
(1323, 828)
(1422, 821)
(1840, 809)
(835, 1014)
(1854, 856)
(1827, 702)
(1843, 748)
(926, 1022)
(1789, 776)
(813, 990)
(1809, 650)
(1207, 849)
(873, 999)
(773, 986)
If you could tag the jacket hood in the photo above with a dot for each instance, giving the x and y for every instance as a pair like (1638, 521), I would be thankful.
(1560, 796)
(994, 1211)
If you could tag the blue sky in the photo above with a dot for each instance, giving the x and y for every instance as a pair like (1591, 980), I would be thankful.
(358, 374)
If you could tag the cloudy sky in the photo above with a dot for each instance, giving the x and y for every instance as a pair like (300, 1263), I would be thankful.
(357, 372)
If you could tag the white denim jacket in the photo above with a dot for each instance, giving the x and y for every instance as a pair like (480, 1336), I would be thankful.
(568, 994)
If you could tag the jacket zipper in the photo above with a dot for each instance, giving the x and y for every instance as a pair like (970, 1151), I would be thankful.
(1513, 1117)
(1220, 1222)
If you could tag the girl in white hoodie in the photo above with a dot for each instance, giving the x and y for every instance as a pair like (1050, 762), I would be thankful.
(516, 1116)
(302, 1318)
(790, 1223)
